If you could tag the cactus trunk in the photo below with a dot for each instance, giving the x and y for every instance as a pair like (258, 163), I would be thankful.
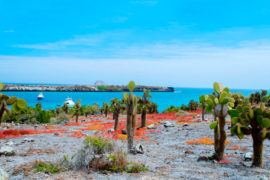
(106, 113)
(203, 111)
(2, 110)
(77, 117)
(116, 119)
(131, 122)
(143, 118)
(220, 138)
(257, 150)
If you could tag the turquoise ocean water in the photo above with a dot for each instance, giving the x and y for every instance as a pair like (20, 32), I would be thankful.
(163, 99)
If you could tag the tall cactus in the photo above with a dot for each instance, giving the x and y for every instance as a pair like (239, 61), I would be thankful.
(248, 120)
(17, 104)
(116, 108)
(65, 108)
(105, 108)
(203, 102)
(131, 106)
(76, 110)
(143, 104)
(219, 103)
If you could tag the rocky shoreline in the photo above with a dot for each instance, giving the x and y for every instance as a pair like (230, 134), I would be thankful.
(82, 88)
(167, 153)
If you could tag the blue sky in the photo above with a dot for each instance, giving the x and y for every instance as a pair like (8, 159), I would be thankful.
(187, 43)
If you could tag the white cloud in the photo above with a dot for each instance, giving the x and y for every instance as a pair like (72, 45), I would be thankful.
(89, 40)
(197, 65)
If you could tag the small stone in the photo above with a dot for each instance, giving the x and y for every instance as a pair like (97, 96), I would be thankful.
(124, 131)
(57, 134)
(151, 126)
(203, 158)
(10, 143)
(168, 124)
(7, 151)
(189, 152)
(185, 124)
(139, 149)
(226, 174)
(263, 178)
(248, 156)
(105, 172)
(3, 175)
(110, 130)
(28, 140)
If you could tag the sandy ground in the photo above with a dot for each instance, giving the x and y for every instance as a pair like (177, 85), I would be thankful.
(167, 155)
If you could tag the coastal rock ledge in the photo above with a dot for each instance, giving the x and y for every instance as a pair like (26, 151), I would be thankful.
(82, 88)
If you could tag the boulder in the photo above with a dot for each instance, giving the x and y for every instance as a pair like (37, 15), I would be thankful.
(3, 175)
(248, 156)
(7, 151)
(138, 149)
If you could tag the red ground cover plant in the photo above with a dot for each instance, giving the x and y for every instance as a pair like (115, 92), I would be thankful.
(20, 133)
(204, 141)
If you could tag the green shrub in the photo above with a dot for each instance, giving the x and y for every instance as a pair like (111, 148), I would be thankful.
(47, 168)
(43, 117)
(119, 161)
(171, 109)
(102, 88)
(136, 168)
(99, 144)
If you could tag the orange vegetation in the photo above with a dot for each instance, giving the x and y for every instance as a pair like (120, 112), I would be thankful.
(204, 140)
(234, 147)
(231, 155)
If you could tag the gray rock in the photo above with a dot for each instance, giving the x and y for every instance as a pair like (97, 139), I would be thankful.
(10, 143)
(124, 131)
(168, 124)
(57, 134)
(151, 126)
(138, 149)
(28, 140)
(7, 151)
(263, 178)
(3, 175)
(185, 124)
(248, 156)
(110, 130)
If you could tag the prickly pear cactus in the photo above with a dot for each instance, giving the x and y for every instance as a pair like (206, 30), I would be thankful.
(143, 103)
(248, 120)
(219, 103)
(105, 108)
(65, 108)
(131, 107)
(203, 102)
(76, 109)
(17, 104)
(116, 106)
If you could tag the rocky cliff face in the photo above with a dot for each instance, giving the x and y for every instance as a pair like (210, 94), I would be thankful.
(82, 88)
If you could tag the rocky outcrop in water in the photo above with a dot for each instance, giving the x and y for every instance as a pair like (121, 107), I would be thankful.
(82, 88)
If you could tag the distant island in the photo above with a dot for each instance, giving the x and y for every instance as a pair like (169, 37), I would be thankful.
(98, 87)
